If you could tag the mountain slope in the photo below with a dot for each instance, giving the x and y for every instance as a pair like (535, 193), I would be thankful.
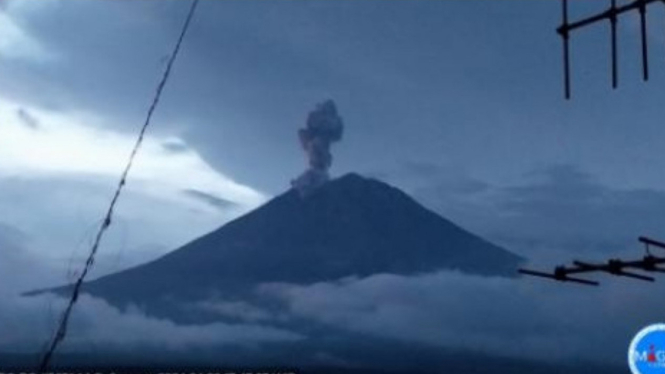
(350, 226)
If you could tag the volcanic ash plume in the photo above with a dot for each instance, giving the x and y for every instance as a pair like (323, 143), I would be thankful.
(324, 126)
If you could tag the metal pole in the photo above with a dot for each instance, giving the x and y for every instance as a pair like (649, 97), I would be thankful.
(566, 49)
(643, 26)
(613, 23)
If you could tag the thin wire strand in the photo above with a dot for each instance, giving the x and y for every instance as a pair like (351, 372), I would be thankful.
(61, 331)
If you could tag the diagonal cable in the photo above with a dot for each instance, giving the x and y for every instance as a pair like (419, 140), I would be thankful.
(61, 331)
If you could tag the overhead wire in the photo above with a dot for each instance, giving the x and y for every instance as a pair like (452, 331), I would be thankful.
(61, 330)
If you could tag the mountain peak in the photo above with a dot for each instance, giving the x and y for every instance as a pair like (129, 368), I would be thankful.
(351, 177)
(354, 184)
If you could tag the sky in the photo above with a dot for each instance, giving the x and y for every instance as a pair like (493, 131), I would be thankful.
(458, 103)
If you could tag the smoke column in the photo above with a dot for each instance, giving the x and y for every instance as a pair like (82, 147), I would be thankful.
(324, 127)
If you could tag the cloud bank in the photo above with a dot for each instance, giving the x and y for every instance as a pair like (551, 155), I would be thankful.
(519, 318)
(16, 43)
(58, 172)
(550, 214)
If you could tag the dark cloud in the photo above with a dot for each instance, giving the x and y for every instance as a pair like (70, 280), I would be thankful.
(28, 119)
(569, 207)
(444, 177)
(250, 82)
(175, 147)
(560, 208)
(250, 70)
(210, 199)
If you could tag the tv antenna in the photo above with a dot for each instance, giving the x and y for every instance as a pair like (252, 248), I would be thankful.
(617, 267)
(612, 16)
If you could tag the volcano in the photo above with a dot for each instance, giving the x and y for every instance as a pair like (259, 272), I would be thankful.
(351, 226)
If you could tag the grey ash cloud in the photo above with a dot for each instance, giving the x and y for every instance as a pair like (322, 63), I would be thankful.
(324, 127)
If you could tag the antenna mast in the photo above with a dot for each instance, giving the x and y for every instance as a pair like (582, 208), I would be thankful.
(612, 15)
